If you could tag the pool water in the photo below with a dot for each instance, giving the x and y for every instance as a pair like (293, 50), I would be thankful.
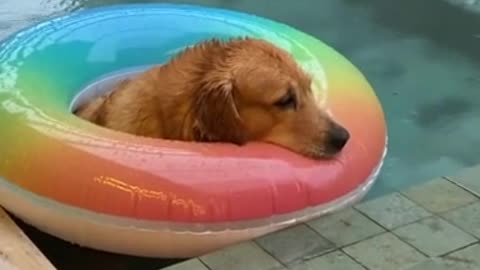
(422, 57)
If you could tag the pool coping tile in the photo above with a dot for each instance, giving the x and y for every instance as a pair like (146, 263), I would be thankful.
(336, 260)
(439, 195)
(464, 259)
(466, 218)
(393, 210)
(345, 227)
(243, 256)
(294, 244)
(192, 264)
(432, 264)
(468, 178)
(388, 225)
(384, 251)
(434, 236)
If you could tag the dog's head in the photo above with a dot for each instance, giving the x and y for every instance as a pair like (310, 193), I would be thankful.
(254, 91)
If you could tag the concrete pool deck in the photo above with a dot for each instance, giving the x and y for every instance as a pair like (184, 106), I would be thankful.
(432, 226)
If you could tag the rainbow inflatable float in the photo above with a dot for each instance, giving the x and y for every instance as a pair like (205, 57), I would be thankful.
(148, 197)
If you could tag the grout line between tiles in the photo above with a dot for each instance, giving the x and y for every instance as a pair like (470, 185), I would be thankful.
(391, 230)
(455, 225)
(458, 249)
(396, 227)
(460, 185)
(269, 254)
(412, 246)
(204, 264)
(355, 260)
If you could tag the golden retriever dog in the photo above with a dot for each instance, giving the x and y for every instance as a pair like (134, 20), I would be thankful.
(233, 91)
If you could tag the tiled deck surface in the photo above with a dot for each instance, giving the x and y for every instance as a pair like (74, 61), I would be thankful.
(435, 226)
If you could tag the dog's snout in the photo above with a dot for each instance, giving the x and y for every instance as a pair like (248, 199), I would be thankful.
(337, 137)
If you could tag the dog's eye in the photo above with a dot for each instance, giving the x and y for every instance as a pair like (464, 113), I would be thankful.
(288, 101)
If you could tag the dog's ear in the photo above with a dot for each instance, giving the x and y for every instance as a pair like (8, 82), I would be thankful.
(217, 116)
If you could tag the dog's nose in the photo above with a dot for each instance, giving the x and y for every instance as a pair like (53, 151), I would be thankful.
(337, 137)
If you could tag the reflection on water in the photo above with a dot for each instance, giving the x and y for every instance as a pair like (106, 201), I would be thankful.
(471, 5)
(422, 57)
(16, 14)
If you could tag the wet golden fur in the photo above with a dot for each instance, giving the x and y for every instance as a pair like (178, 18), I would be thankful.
(235, 91)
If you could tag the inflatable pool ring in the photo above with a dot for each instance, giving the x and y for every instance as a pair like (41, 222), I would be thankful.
(149, 197)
